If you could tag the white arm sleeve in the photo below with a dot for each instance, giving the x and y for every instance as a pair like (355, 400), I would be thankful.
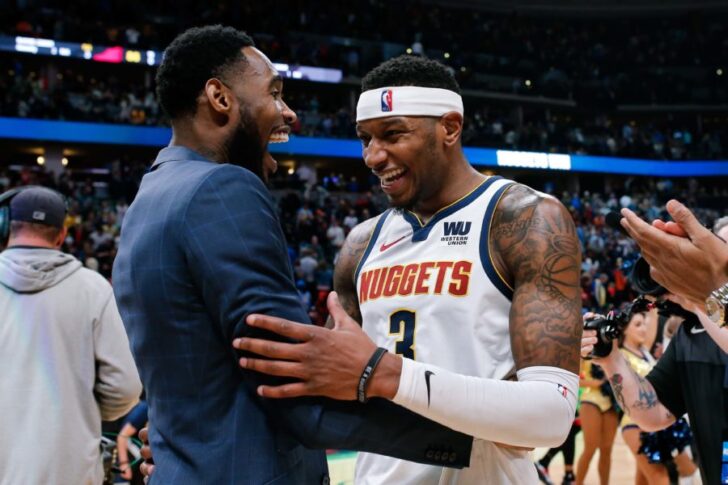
(535, 411)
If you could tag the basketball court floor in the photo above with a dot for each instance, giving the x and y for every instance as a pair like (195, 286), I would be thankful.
(341, 465)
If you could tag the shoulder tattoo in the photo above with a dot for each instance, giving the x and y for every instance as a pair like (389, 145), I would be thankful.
(535, 239)
(349, 256)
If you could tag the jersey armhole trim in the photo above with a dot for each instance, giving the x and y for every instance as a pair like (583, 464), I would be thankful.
(372, 239)
(486, 258)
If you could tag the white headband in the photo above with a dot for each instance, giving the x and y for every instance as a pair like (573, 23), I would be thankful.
(407, 101)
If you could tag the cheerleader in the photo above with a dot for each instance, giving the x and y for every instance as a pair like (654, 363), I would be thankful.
(599, 418)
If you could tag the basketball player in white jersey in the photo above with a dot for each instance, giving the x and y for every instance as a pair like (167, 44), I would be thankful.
(470, 283)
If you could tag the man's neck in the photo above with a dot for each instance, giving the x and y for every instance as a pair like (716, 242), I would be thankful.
(29, 241)
(464, 180)
(189, 135)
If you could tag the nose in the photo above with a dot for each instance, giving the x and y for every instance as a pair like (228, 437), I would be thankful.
(289, 116)
(374, 155)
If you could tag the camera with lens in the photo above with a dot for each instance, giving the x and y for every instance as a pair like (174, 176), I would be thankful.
(612, 325)
(642, 281)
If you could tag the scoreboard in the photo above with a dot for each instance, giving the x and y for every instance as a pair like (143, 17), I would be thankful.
(50, 47)
(121, 55)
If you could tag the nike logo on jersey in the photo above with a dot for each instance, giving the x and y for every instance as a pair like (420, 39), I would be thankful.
(385, 246)
(427, 382)
(697, 329)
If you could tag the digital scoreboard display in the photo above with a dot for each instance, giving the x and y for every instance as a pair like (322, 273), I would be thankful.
(120, 55)
(49, 47)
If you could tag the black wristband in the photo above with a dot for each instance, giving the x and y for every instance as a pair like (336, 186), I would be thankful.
(361, 392)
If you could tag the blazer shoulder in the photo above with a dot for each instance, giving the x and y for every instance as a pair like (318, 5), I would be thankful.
(227, 177)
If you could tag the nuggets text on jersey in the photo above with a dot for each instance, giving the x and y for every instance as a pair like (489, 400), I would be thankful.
(426, 278)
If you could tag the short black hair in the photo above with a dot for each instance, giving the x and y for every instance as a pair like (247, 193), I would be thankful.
(193, 57)
(408, 70)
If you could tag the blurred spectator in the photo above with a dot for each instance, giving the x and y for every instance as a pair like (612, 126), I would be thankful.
(67, 366)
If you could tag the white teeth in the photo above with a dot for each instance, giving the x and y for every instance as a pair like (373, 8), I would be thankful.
(278, 137)
(391, 175)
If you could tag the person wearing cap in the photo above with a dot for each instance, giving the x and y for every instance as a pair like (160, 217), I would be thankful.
(66, 362)
(466, 291)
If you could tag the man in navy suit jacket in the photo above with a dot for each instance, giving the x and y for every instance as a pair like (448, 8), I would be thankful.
(201, 248)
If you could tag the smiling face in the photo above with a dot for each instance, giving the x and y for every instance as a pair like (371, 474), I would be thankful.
(635, 334)
(263, 116)
(405, 153)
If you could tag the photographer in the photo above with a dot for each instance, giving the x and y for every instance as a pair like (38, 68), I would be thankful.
(689, 377)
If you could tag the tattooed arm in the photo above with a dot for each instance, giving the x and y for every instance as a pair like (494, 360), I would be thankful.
(635, 394)
(349, 257)
(536, 249)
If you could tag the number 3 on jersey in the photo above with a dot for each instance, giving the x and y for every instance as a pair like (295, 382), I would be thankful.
(402, 324)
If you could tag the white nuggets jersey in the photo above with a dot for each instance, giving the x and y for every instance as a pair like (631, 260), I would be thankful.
(431, 293)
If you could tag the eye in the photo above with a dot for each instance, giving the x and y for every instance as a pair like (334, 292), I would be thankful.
(276, 94)
(392, 133)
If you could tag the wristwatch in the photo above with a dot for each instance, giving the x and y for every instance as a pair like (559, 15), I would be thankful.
(716, 305)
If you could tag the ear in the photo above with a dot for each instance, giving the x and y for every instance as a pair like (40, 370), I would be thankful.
(219, 96)
(452, 125)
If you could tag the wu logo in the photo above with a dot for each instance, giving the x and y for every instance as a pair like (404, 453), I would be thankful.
(458, 228)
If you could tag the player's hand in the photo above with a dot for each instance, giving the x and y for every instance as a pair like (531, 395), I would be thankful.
(326, 362)
(147, 466)
(691, 266)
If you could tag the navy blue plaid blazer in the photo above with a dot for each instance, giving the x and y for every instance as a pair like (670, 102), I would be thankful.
(201, 247)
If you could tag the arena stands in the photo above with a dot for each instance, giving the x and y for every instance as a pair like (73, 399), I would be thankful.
(309, 212)
(74, 94)
(626, 87)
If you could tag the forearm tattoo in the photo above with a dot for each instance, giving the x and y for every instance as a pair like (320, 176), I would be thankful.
(646, 396)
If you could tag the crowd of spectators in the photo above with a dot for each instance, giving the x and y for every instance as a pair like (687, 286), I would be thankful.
(317, 216)
(665, 59)
(74, 95)
(95, 211)
(608, 255)
(599, 62)
(595, 135)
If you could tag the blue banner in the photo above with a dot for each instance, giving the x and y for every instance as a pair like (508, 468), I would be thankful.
(81, 132)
